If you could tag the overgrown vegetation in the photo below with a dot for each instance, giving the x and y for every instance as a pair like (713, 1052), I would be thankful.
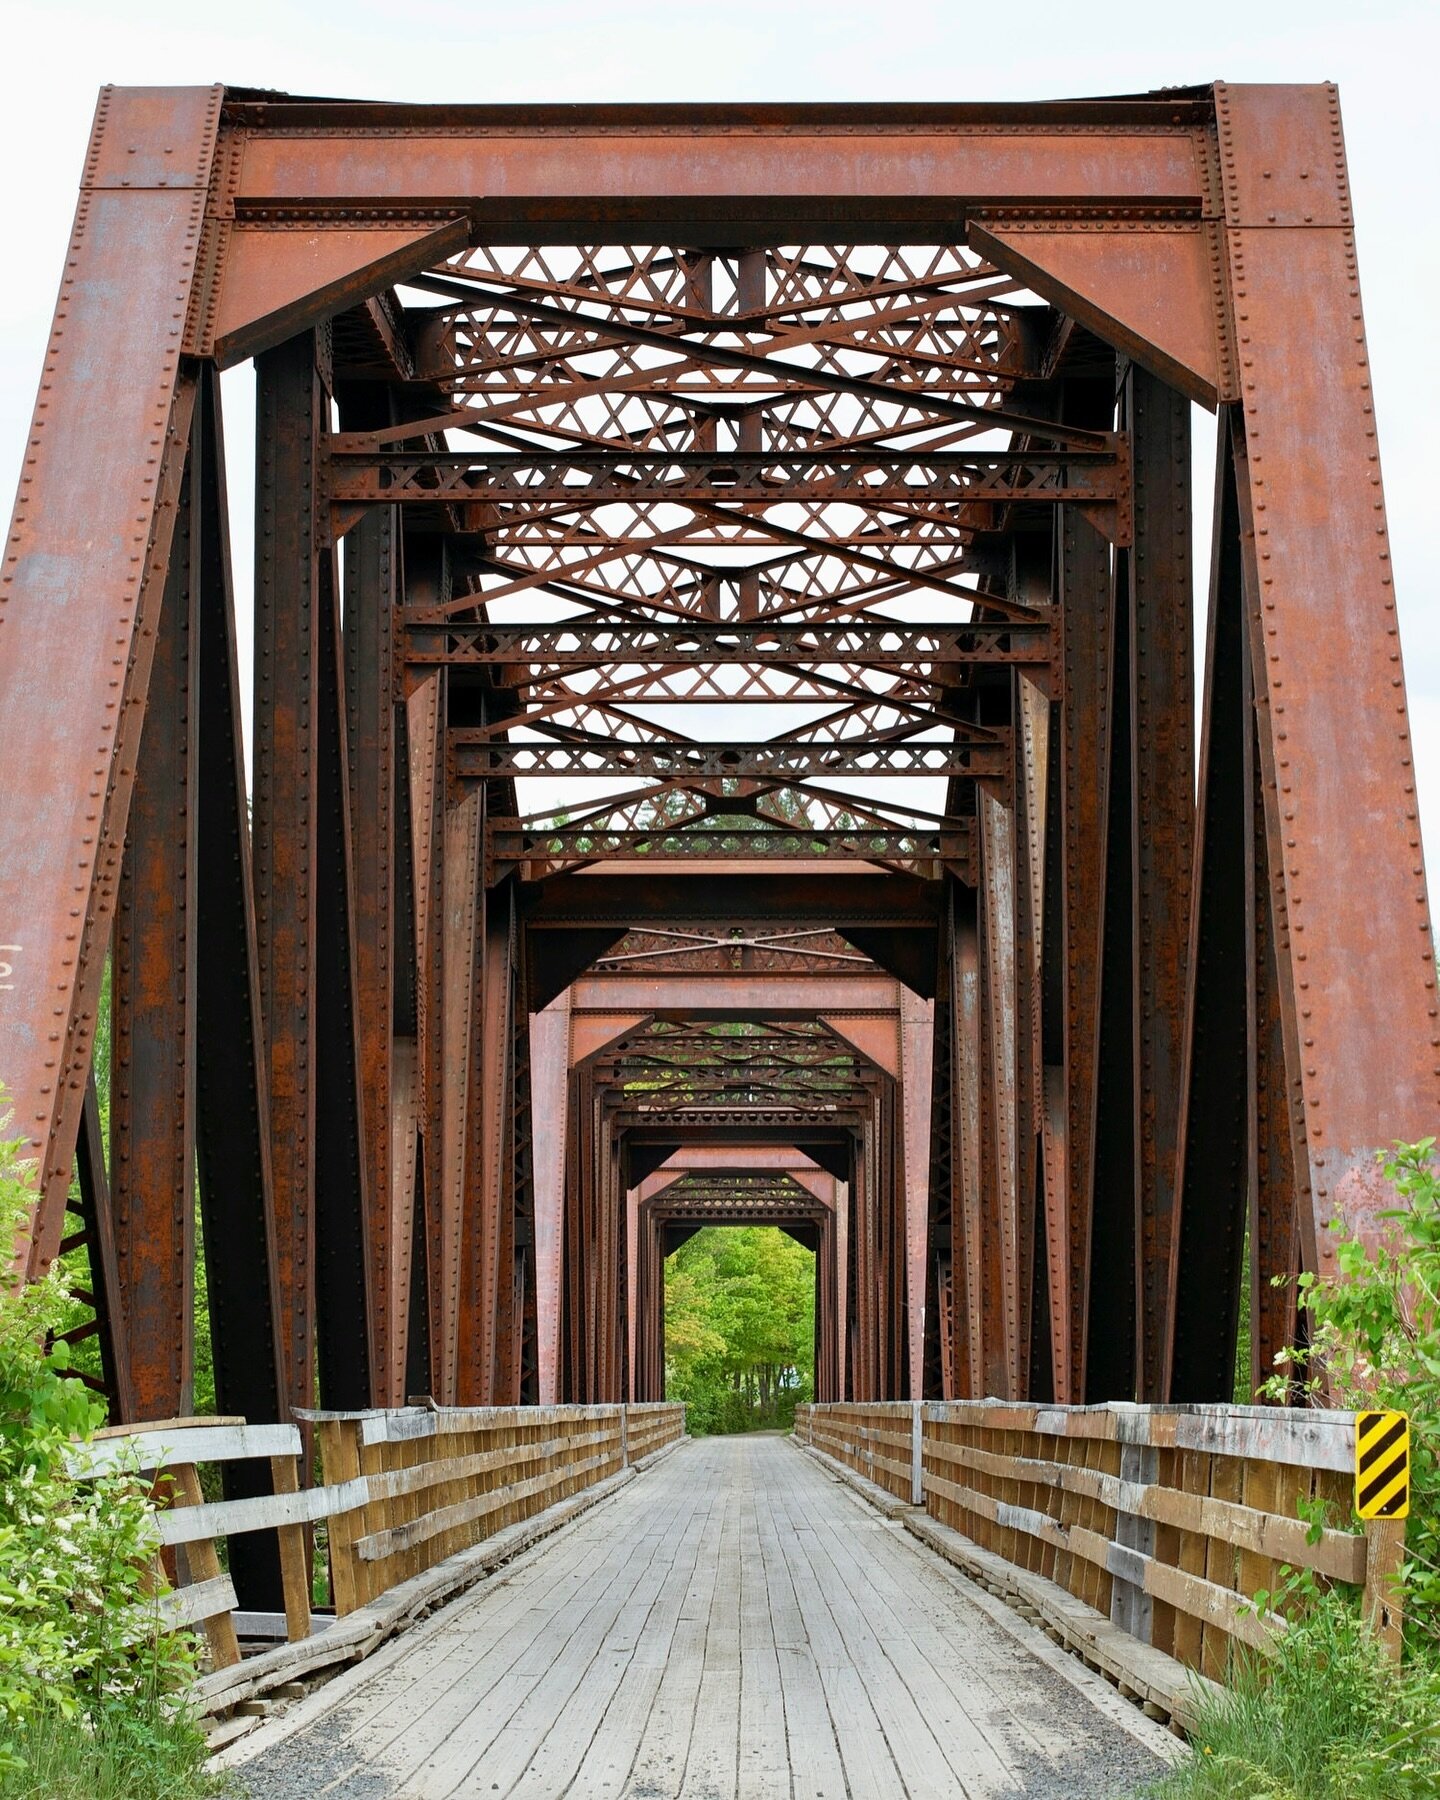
(91, 1690)
(1327, 1716)
(739, 1328)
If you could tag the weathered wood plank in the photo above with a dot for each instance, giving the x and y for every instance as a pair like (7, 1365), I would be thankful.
(198, 1443)
(231, 1518)
(732, 1622)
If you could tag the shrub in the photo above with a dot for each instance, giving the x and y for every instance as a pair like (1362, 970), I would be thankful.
(1327, 1717)
(84, 1664)
(1375, 1342)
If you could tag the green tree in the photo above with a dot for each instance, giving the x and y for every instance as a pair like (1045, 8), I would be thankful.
(740, 1327)
(88, 1672)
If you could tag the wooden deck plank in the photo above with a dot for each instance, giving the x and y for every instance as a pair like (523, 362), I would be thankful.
(564, 1749)
(470, 1673)
(712, 1765)
(934, 1660)
(444, 1665)
(986, 1699)
(660, 1756)
(891, 1671)
(733, 1625)
(869, 1769)
(817, 1769)
(764, 1756)
(612, 1752)
(557, 1660)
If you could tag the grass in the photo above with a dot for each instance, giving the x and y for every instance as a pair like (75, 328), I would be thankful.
(1325, 1718)
(127, 1757)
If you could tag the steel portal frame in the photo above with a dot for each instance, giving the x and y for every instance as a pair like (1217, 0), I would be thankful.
(934, 502)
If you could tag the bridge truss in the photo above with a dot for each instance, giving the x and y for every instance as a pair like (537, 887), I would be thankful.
(723, 742)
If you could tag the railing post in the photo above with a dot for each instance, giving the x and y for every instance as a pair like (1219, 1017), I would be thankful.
(624, 1436)
(917, 1464)
(1384, 1554)
(340, 1460)
(294, 1571)
(1131, 1608)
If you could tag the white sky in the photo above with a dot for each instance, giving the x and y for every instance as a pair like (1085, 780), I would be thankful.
(1382, 54)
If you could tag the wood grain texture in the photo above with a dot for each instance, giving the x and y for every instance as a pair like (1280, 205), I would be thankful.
(734, 1622)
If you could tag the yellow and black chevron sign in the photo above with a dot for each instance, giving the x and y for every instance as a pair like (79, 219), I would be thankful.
(1382, 1465)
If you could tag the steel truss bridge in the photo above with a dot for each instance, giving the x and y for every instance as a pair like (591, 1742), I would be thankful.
(724, 743)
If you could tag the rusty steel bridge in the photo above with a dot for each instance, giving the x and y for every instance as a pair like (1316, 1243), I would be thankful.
(724, 743)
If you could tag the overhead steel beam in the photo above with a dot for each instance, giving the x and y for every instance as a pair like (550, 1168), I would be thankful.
(771, 760)
(534, 651)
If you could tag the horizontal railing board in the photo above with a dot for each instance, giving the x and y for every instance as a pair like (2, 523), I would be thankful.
(437, 1426)
(179, 1607)
(1302, 1440)
(201, 1600)
(209, 1421)
(390, 1484)
(1339, 1554)
(870, 1434)
(1314, 1439)
(233, 1518)
(397, 1428)
(382, 1544)
(173, 1447)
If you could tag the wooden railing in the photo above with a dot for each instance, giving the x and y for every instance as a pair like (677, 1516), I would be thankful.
(877, 1440)
(434, 1483)
(650, 1426)
(403, 1492)
(188, 1524)
(1163, 1521)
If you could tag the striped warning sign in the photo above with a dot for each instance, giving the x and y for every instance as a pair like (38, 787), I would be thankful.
(1382, 1465)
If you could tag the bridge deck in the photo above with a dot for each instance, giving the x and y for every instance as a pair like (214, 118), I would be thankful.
(735, 1622)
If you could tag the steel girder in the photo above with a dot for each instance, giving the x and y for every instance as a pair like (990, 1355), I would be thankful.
(721, 1056)
(889, 490)
(759, 1187)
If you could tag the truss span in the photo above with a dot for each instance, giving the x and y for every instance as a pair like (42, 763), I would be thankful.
(724, 740)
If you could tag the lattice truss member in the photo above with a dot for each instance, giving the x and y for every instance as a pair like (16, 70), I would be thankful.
(742, 482)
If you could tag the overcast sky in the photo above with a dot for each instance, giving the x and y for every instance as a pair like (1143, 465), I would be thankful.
(1382, 54)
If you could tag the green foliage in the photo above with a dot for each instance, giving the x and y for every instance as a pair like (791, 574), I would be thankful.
(1375, 1342)
(1327, 1717)
(137, 1755)
(80, 1648)
(1243, 1392)
(739, 1328)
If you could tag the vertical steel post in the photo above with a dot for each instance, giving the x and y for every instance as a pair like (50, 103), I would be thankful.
(233, 1143)
(1163, 784)
(1084, 581)
(371, 558)
(287, 652)
(152, 1114)
(349, 1367)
